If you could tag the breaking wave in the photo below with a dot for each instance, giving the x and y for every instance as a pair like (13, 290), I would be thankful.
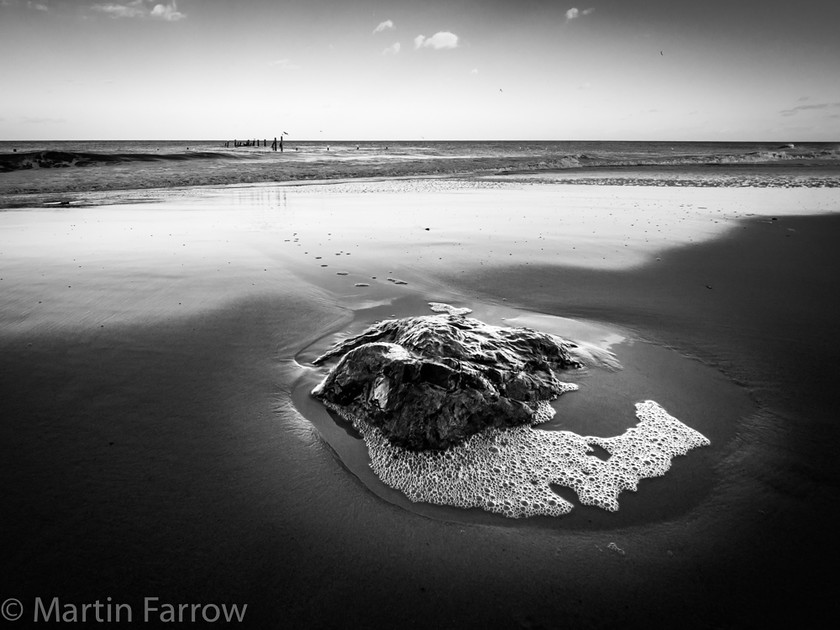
(65, 159)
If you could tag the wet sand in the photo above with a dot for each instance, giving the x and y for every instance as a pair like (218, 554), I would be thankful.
(149, 354)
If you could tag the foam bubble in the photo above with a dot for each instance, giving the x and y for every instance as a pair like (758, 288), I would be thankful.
(441, 307)
(510, 471)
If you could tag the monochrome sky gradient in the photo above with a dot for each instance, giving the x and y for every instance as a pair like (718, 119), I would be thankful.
(411, 69)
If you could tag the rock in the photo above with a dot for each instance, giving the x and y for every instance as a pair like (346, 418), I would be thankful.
(431, 382)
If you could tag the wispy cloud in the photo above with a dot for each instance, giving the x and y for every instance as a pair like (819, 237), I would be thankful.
(285, 64)
(801, 108)
(573, 13)
(387, 25)
(30, 4)
(125, 10)
(393, 49)
(141, 9)
(439, 41)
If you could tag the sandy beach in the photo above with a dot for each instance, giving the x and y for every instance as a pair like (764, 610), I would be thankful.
(158, 440)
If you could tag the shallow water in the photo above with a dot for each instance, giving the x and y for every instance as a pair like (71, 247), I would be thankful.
(604, 406)
(63, 172)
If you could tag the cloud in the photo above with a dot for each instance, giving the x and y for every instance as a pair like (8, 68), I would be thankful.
(168, 12)
(140, 9)
(393, 49)
(285, 64)
(801, 108)
(573, 13)
(125, 10)
(438, 41)
(387, 25)
(37, 6)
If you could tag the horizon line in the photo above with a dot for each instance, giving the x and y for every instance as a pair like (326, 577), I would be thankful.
(414, 140)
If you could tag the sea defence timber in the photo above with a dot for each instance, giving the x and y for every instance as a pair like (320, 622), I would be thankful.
(275, 145)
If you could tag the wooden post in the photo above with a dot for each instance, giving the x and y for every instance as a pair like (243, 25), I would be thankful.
(281, 144)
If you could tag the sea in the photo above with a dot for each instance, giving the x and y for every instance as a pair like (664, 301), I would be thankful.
(51, 171)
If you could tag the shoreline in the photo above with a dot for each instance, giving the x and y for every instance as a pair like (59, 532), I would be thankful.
(166, 440)
(96, 183)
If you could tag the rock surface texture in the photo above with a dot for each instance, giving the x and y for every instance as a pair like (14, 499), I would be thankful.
(431, 382)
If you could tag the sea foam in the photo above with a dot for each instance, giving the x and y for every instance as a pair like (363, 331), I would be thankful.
(511, 471)
(506, 468)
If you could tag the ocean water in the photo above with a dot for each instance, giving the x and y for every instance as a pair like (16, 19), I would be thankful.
(36, 168)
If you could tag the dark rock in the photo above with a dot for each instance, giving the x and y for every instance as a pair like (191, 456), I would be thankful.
(430, 382)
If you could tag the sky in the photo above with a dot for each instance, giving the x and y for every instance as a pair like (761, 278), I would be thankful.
(711, 70)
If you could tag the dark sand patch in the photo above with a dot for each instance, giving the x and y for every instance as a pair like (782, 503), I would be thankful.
(769, 323)
(148, 460)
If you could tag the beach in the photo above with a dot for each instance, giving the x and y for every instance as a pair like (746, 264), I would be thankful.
(158, 439)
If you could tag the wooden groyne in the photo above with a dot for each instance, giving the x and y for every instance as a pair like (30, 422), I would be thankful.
(275, 145)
